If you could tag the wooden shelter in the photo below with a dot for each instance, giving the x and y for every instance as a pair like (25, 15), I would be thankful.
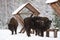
(29, 6)
(55, 4)
(17, 13)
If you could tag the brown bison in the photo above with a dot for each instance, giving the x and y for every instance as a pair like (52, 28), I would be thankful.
(39, 24)
(12, 25)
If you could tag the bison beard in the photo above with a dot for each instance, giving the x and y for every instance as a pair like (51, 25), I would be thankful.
(13, 25)
(39, 24)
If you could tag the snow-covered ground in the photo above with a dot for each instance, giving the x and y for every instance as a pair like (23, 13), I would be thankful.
(5, 34)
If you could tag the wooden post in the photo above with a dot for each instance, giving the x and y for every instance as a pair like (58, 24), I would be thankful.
(19, 19)
(22, 30)
(55, 33)
(58, 0)
(54, 30)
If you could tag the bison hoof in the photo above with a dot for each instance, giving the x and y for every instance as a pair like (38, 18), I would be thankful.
(28, 35)
(42, 36)
(36, 34)
(12, 34)
(39, 35)
(15, 33)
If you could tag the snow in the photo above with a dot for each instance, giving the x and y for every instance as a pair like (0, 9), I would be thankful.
(21, 7)
(5, 34)
(51, 1)
(18, 9)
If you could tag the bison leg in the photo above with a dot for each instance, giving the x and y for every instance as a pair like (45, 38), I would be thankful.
(28, 32)
(36, 32)
(15, 30)
(12, 32)
(42, 33)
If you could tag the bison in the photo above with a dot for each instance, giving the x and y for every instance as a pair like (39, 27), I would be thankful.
(12, 25)
(39, 24)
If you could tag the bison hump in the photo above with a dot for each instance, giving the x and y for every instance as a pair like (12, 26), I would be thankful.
(13, 21)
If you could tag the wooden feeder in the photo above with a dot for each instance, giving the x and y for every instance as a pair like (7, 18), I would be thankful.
(55, 4)
(30, 7)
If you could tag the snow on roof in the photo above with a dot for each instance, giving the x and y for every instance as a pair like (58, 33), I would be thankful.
(51, 1)
(18, 9)
(27, 5)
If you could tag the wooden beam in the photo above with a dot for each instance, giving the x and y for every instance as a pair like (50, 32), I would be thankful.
(56, 7)
(59, 1)
(32, 9)
(19, 19)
